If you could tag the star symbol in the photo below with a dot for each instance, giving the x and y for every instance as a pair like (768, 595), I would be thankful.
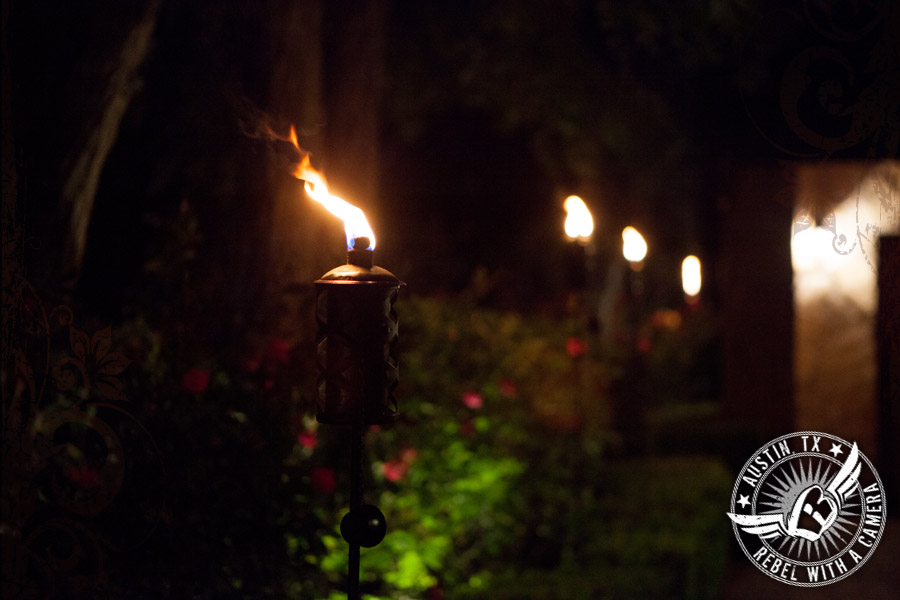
(744, 501)
(836, 449)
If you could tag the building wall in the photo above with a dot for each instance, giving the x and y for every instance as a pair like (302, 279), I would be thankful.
(842, 210)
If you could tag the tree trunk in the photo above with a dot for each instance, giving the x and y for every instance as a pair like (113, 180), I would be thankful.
(757, 301)
(81, 181)
(74, 73)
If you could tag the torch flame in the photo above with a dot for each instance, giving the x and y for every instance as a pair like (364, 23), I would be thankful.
(690, 276)
(579, 223)
(355, 223)
(634, 248)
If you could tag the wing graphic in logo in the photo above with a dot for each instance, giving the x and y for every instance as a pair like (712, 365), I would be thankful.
(843, 483)
(813, 511)
(765, 526)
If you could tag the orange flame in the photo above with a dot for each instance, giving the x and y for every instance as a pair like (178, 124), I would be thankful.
(355, 223)
(634, 248)
(691, 279)
(579, 223)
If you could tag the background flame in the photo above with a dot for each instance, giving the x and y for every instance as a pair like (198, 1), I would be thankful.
(690, 275)
(634, 248)
(355, 223)
(579, 222)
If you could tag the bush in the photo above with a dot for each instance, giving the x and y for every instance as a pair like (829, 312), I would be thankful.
(496, 481)
(495, 484)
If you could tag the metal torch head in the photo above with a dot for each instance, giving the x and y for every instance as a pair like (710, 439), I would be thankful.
(357, 339)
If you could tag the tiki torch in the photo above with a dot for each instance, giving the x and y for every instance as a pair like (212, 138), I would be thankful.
(579, 226)
(357, 360)
(357, 375)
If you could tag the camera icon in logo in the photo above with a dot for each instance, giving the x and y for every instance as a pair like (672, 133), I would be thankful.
(806, 519)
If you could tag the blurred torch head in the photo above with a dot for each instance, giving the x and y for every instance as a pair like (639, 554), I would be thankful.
(691, 279)
(634, 248)
(579, 223)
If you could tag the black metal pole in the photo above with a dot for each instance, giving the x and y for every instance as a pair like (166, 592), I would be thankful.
(356, 466)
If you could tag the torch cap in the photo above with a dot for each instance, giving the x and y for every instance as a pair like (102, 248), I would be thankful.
(351, 273)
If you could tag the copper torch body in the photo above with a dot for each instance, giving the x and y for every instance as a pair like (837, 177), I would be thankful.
(357, 339)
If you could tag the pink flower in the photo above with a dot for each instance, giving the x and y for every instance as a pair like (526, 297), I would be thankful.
(307, 439)
(195, 380)
(508, 387)
(575, 347)
(322, 479)
(395, 470)
(473, 400)
(278, 351)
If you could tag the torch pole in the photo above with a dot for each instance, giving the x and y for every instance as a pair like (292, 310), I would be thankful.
(356, 466)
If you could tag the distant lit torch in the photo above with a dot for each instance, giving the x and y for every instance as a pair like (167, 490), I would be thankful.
(634, 249)
(691, 279)
(579, 226)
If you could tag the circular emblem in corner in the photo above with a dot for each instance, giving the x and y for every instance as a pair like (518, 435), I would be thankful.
(808, 509)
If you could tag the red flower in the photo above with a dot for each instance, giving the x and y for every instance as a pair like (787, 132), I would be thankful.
(278, 351)
(196, 380)
(643, 344)
(307, 439)
(83, 476)
(434, 593)
(473, 400)
(322, 479)
(467, 429)
(395, 470)
(575, 347)
(508, 387)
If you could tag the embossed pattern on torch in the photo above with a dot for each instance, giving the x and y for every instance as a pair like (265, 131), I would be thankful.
(357, 338)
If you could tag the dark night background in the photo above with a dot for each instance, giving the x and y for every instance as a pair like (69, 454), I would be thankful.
(142, 192)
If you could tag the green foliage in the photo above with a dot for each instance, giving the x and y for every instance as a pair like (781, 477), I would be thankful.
(495, 485)
(495, 482)
(449, 478)
(683, 357)
(651, 529)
